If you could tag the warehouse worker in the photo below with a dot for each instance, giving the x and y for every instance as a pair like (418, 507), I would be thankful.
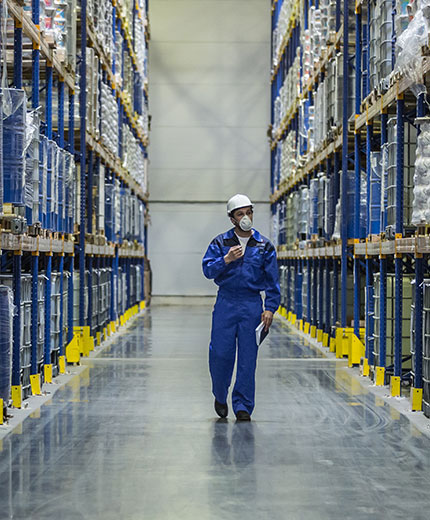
(242, 263)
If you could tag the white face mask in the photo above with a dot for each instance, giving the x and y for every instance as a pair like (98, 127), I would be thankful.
(245, 224)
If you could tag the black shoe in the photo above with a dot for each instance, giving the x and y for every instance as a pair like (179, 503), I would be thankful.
(221, 409)
(243, 416)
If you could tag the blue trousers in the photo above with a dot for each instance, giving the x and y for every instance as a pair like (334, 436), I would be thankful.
(234, 321)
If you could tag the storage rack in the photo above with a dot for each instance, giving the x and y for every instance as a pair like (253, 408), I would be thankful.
(385, 98)
(37, 62)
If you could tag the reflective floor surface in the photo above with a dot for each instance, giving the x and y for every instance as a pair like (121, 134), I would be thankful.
(135, 437)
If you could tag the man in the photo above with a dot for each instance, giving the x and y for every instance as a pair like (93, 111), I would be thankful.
(242, 263)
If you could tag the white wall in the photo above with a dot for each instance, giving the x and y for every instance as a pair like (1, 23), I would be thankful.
(210, 105)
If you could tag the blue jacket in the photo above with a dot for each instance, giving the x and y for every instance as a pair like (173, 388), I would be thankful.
(256, 271)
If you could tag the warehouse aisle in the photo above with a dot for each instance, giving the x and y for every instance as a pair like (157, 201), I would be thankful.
(135, 437)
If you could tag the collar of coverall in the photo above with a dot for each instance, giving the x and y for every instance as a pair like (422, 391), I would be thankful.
(255, 235)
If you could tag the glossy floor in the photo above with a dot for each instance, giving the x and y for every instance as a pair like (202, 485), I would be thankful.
(135, 437)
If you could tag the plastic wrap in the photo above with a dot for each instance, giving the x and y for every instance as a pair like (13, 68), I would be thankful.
(101, 199)
(55, 186)
(41, 319)
(69, 175)
(288, 94)
(60, 25)
(109, 119)
(140, 45)
(281, 29)
(289, 239)
(61, 190)
(329, 207)
(410, 136)
(134, 157)
(76, 297)
(7, 103)
(31, 163)
(275, 229)
(408, 47)
(402, 16)
(141, 232)
(43, 179)
(303, 212)
(101, 18)
(118, 58)
(6, 337)
(375, 192)
(282, 221)
(109, 211)
(421, 200)
(93, 102)
(321, 107)
(384, 174)
(363, 206)
(385, 35)
(295, 210)
(350, 206)
(336, 230)
(322, 202)
(117, 209)
(14, 139)
(313, 213)
(49, 183)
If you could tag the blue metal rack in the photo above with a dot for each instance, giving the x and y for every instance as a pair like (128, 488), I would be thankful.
(52, 246)
(354, 148)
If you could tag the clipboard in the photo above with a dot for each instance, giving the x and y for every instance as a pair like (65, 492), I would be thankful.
(260, 334)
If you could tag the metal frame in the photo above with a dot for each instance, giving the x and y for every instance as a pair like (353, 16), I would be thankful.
(58, 250)
(406, 253)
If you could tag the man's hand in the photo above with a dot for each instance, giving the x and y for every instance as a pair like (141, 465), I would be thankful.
(267, 318)
(234, 254)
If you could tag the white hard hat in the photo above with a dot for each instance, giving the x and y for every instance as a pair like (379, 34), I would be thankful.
(237, 202)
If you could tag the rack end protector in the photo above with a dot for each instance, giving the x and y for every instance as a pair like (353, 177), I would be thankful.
(380, 376)
(62, 364)
(395, 386)
(417, 399)
(48, 373)
(16, 392)
(35, 384)
(365, 368)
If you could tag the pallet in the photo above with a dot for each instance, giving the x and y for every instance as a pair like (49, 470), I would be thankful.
(46, 233)
(423, 230)
(35, 230)
(370, 100)
(375, 238)
(99, 240)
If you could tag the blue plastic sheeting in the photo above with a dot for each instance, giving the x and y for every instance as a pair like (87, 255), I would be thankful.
(14, 128)
(6, 306)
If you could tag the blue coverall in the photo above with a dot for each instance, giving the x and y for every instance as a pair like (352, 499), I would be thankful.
(237, 313)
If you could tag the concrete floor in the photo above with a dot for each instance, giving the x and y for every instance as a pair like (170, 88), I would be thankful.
(135, 437)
